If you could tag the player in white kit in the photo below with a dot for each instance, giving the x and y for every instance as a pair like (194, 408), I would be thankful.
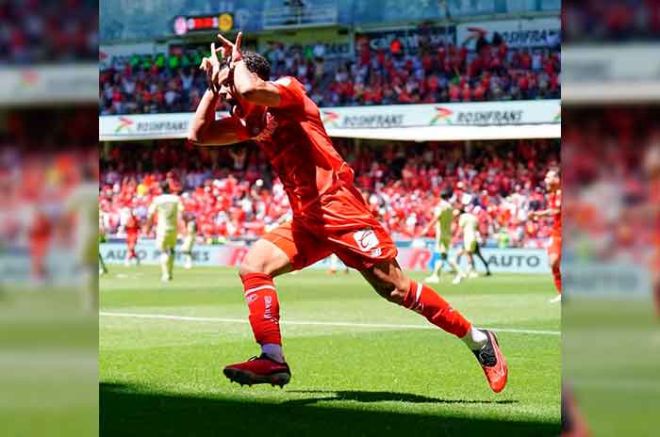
(468, 223)
(168, 211)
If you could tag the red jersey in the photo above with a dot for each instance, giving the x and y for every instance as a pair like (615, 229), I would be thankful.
(317, 180)
(554, 202)
(132, 227)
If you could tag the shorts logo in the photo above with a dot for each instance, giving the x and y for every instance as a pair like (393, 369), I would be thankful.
(366, 240)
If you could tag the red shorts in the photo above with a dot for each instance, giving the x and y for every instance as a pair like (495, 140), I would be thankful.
(131, 241)
(554, 248)
(359, 248)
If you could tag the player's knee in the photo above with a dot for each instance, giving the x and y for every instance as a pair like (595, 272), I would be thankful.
(395, 291)
(554, 262)
(248, 266)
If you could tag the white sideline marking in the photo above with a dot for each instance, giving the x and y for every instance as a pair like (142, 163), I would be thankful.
(309, 323)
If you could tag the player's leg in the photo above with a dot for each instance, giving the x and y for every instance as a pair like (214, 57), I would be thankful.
(186, 251)
(554, 258)
(459, 272)
(278, 252)
(391, 283)
(555, 266)
(164, 244)
(334, 262)
(438, 260)
(478, 253)
(472, 264)
(469, 247)
(130, 250)
(102, 268)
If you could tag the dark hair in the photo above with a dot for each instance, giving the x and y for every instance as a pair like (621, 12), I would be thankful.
(165, 187)
(446, 193)
(257, 64)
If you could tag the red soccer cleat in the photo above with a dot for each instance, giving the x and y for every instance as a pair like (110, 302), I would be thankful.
(493, 362)
(259, 370)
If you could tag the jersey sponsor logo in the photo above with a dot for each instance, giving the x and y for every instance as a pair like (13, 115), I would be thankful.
(366, 240)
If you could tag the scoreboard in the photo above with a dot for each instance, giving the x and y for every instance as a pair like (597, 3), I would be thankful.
(223, 22)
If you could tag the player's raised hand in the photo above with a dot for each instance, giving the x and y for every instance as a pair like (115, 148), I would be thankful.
(232, 48)
(211, 66)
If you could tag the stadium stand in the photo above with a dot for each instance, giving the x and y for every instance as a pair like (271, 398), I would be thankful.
(225, 191)
(36, 31)
(620, 20)
(444, 73)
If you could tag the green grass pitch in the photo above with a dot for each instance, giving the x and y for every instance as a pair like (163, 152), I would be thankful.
(360, 365)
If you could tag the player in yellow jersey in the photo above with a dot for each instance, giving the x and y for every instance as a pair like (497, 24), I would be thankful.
(468, 224)
(443, 218)
(168, 210)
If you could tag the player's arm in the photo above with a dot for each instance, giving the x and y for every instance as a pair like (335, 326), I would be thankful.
(151, 213)
(204, 128)
(429, 225)
(253, 88)
(181, 225)
(543, 213)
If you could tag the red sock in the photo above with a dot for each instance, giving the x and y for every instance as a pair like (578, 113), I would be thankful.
(264, 307)
(556, 274)
(428, 303)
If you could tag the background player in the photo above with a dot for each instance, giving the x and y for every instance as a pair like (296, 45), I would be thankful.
(167, 208)
(329, 213)
(443, 218)
(468, 224)
(553, 186)
(334, 265)
(480, 240)
(189, 242)
(101, 239)
(83, 211)
(132, 232)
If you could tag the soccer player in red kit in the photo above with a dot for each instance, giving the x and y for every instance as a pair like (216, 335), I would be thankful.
(553, 185)
(132, 231)
(329, 213)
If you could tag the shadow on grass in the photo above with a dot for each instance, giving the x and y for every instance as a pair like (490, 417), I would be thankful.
(127, 410)
(384, 396)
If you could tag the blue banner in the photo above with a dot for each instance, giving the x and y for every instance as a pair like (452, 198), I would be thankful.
(533, 261)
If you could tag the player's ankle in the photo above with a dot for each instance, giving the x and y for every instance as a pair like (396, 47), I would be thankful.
(475, 339)
(273, 351)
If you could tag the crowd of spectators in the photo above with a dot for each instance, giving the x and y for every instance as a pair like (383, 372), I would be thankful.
(37, 31)
(41, 174)
(230, 194)
(618, 20)
(434, 73)
(612, 182)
